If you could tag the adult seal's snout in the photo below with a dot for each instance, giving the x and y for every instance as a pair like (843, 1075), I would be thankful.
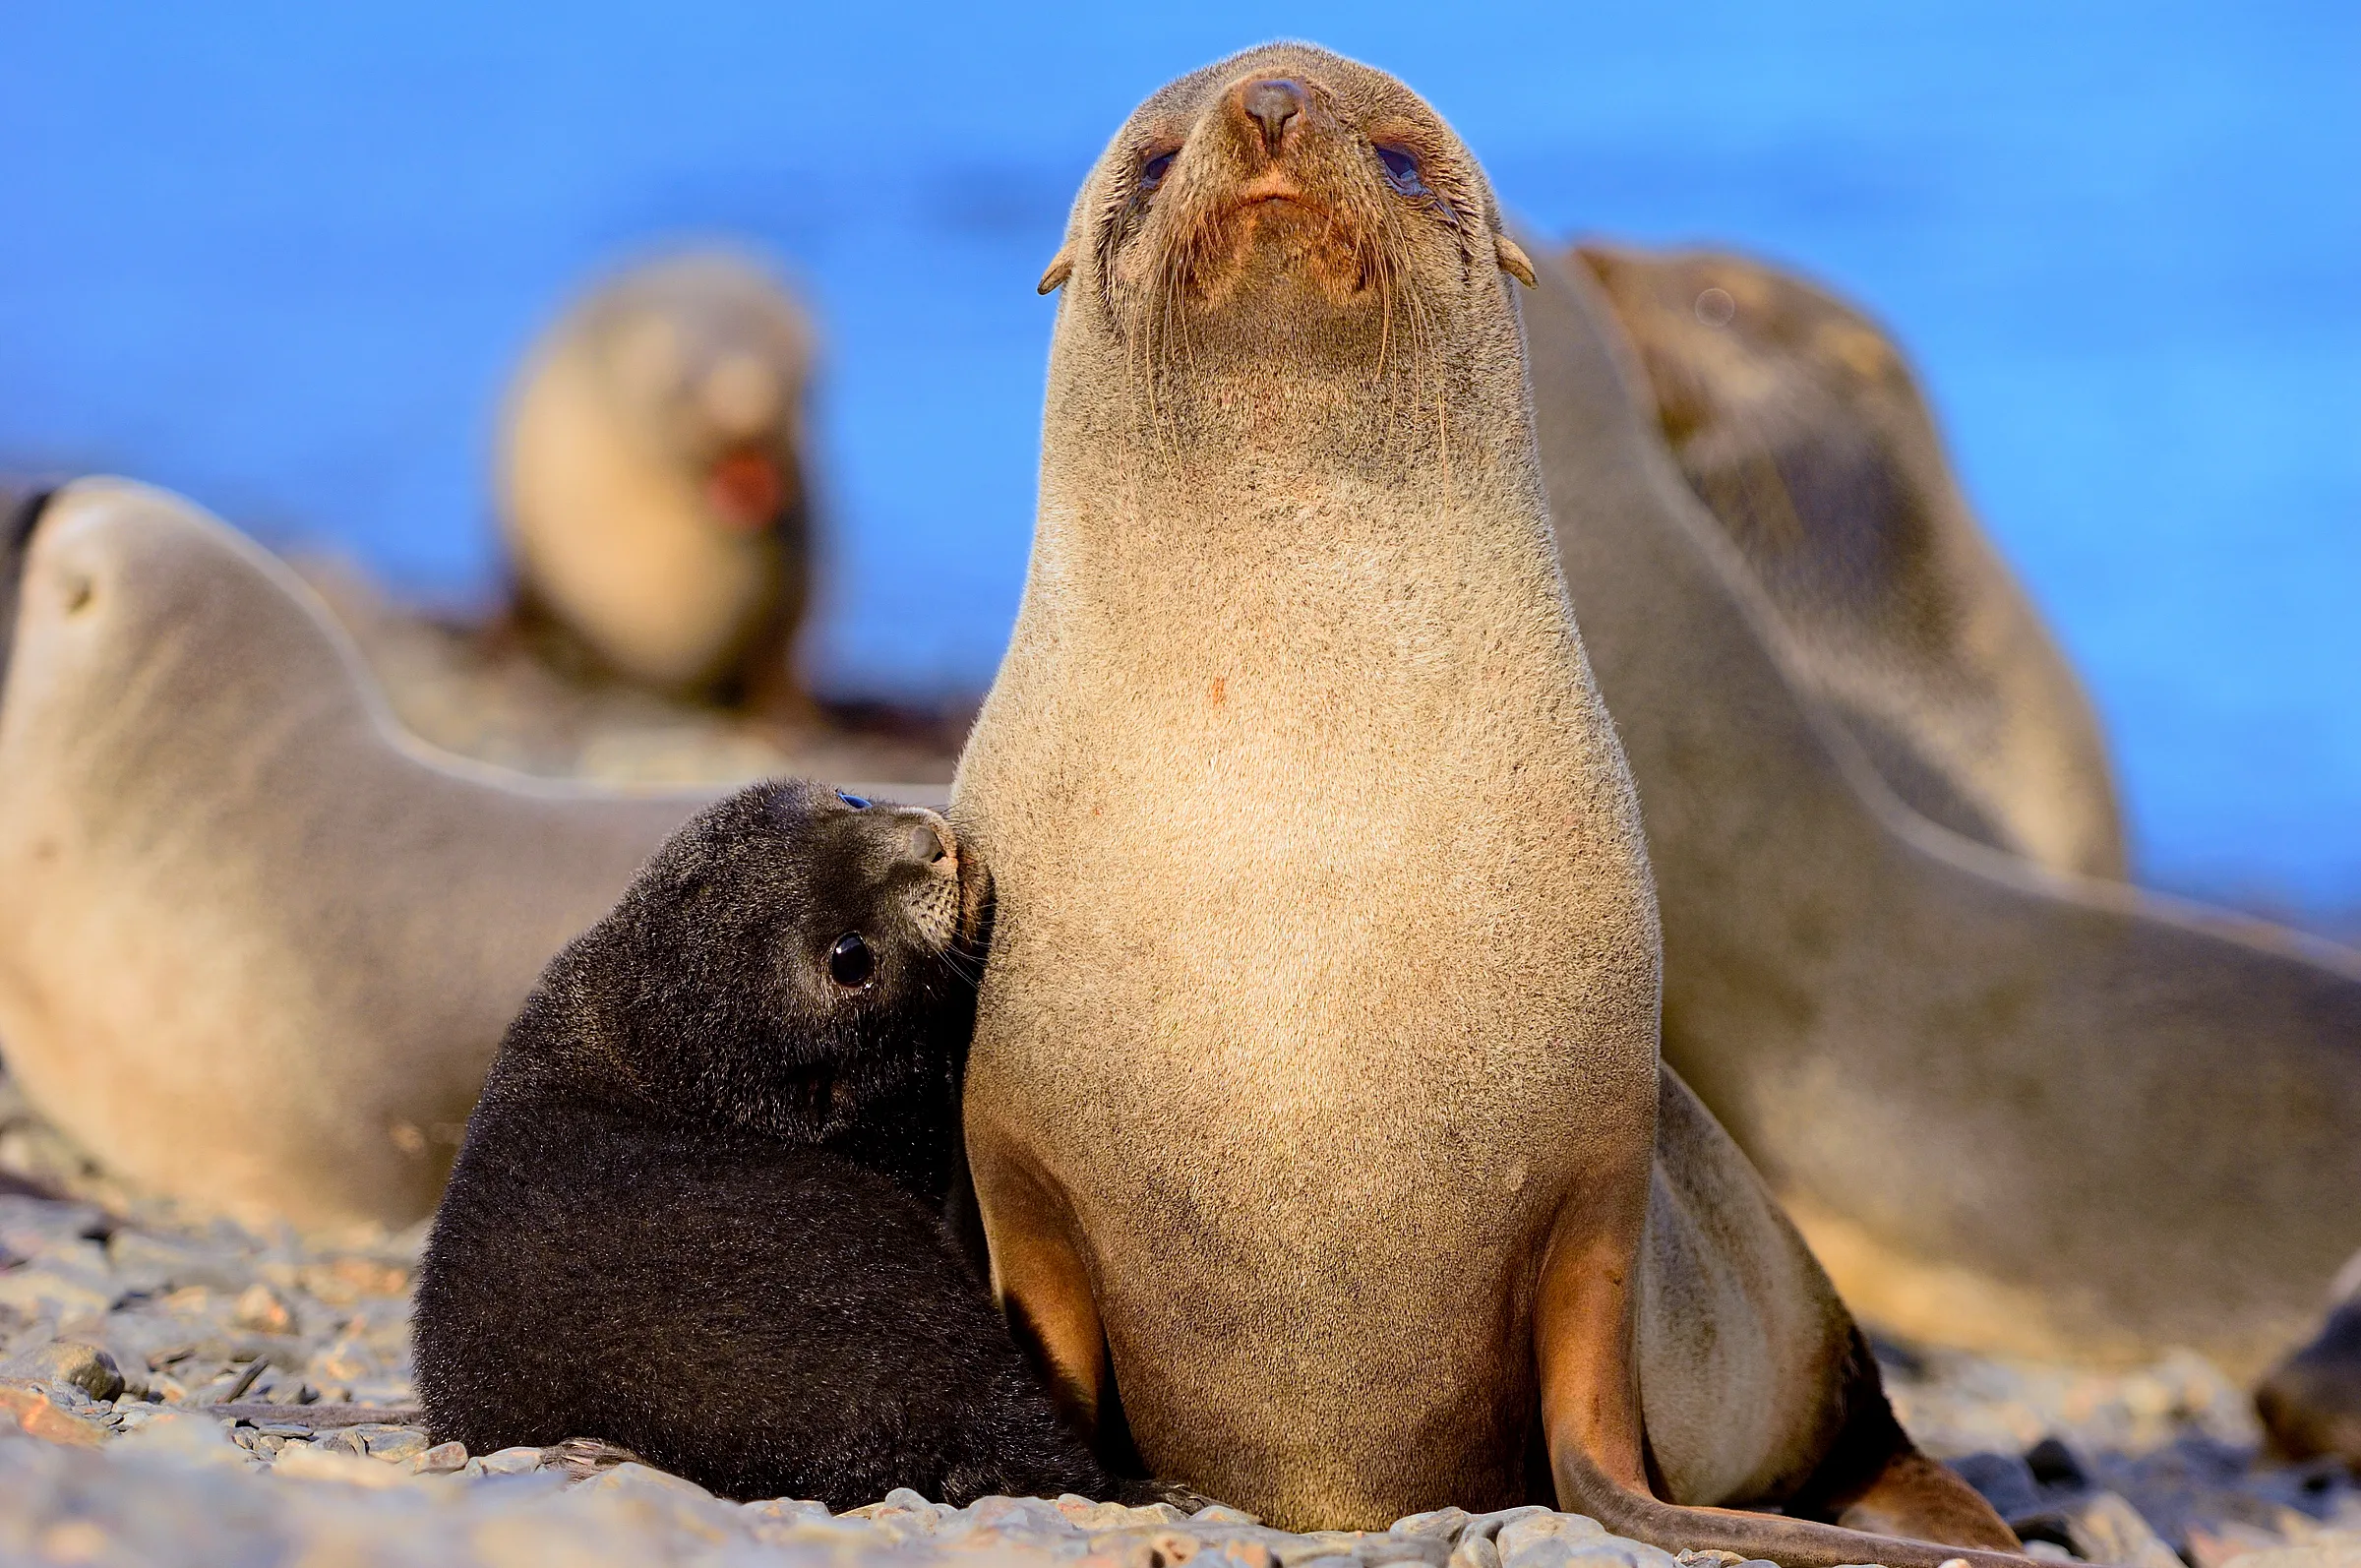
(1272, 104)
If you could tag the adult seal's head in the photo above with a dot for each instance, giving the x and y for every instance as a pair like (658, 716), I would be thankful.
(1797, 423)
(1281, 244)
(652, 483)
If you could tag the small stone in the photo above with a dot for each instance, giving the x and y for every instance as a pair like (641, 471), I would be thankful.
(1475, 1551)
(312, 1462)
(440, 1460)
(1223, 1514)
(635, 1476)
(2005, 1480)
(260, 1309)
(392, 1442)
(1029, 1515)
(2053, 1464)
(508, 1461)
(36, 1416)
(1486, 1526)
(2106, 1528)
(85, 1367)
(343, 1441)
(1441, 1522)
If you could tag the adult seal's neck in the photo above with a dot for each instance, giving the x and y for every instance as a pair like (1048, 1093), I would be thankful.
(1253, 502)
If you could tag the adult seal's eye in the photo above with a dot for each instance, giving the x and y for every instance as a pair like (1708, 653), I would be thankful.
(1153, 171)
(856, 802)
(850, 962)
(1401, 171)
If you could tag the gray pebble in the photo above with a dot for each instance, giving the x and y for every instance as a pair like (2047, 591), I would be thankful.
(441, 1460)
(66, 1363)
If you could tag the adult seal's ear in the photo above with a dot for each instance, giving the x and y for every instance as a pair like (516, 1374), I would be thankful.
(23, 512)
(1061, 267)
(1513, 260)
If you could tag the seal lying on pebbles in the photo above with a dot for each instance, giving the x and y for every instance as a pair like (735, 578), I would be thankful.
(1796, 422)
(1315, 1107)
(651, 480)
(696, 1212)
(2012, 1108)
(255, 945)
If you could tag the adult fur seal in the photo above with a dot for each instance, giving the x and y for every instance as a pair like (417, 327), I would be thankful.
(1797, 423)
(1315, 1110)
(2011, 1108)
(256, 947)
(652, 484)
(705, 1176)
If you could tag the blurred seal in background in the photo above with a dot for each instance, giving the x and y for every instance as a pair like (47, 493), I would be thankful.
(2013, 1107)
(256, 945)
(1797, 423)
(653, 487)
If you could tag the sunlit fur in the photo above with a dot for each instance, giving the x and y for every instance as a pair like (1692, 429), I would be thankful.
(1324, 977)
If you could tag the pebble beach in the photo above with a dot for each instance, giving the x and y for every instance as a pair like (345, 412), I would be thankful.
(185, 1394)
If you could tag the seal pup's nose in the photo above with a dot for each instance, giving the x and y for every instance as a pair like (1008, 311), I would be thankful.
(1270, 103)
(928, 841)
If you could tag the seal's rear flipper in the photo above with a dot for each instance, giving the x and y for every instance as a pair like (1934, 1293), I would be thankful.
(23, 511)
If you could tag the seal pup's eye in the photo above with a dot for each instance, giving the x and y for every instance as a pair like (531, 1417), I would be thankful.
(850, 962)
(1153, 171)
(856, 802)
(1401, 171)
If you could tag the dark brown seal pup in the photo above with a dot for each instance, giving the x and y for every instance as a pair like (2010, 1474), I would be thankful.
(228, 880)
(1797, 423)
(2011, 1107)
(653, 488)
(1314, 1109)
(696, 1209)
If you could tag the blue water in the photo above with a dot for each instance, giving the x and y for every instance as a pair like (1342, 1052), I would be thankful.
(283, 258)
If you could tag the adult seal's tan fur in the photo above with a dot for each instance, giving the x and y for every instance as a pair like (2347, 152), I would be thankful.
(256, 947)
(1314, 1106)
(652, 484)
(2012, 1107)
(1797, 423)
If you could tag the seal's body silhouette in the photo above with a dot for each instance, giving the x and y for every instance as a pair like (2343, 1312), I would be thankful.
(697, 1212)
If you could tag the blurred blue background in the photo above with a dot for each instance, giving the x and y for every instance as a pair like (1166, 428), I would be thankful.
(284, 258)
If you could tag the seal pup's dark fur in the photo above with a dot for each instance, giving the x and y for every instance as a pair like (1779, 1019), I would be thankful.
(696, 1210)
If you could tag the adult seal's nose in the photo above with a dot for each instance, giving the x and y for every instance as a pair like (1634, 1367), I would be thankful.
(1270, 103)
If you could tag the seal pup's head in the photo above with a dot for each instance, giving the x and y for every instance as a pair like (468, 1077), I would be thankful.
(1288, 234)
(653, 480)
(792, 958)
